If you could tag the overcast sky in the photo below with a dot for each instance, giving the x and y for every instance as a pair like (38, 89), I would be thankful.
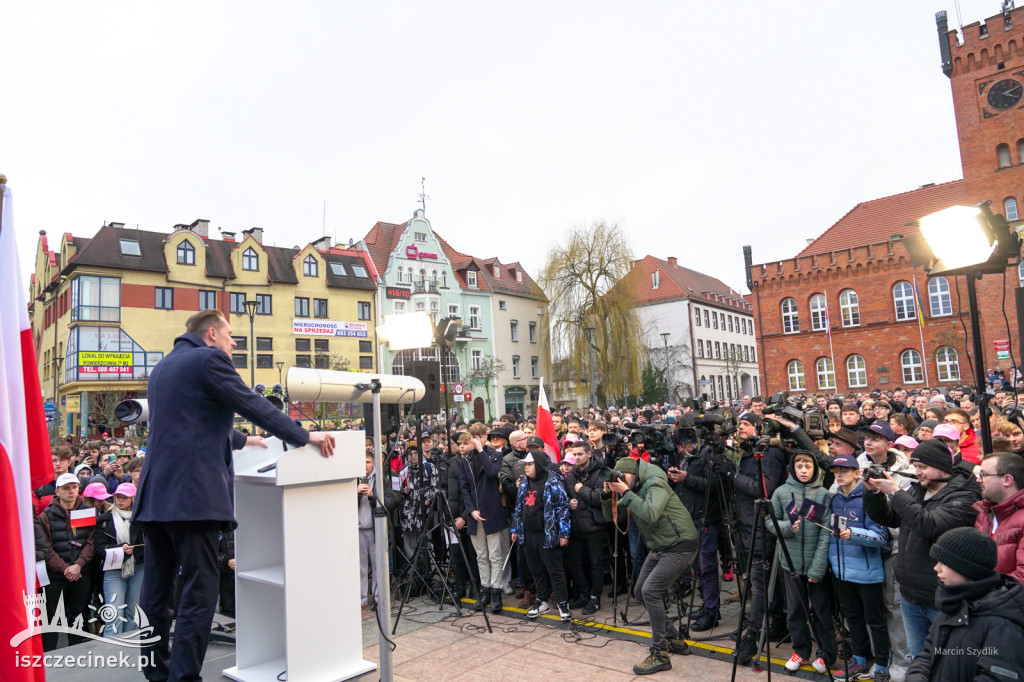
(697, 126)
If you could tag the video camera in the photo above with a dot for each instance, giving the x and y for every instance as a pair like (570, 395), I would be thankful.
(621, 440)
(781, 404)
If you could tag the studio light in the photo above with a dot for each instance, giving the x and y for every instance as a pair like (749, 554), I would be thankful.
(406, 331)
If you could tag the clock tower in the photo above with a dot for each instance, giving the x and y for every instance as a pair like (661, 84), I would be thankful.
(985, 66)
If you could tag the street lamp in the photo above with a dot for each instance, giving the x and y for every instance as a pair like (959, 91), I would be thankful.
(250, 309)
(969, 241)
(280, 365)
(57, 363)
(703, 387)
(668, 369)
(593, 388)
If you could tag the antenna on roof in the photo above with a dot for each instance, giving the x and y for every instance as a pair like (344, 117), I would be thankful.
(423, 195)
(323, 232)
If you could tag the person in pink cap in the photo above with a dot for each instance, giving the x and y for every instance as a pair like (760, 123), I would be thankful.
(906, 444)
(950, 436)
(95, 495)
(121, 586)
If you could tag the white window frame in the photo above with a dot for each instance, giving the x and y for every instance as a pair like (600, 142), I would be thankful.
(700, 348)
(533, 332)
(399, 306)
(856, 371)
(534, 367)
(947, 361)
(910, 361)
(515, 367)
(938, 294)
(818, 305)
(1010, 207)
(471, 279)
(513, 327)
(477, 358)
(903, 296)
(790, 316)
(795, 375)
(474, 317)
(849, 308)
(826, 373)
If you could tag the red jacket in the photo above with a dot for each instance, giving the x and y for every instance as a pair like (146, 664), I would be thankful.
(1009, 536)
(969, 447)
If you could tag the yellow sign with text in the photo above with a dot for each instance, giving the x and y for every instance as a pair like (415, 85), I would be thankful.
(103, 359)
(73, 403)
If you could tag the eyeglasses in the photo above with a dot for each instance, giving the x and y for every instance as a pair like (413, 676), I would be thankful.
(957, 422)
(983, 475)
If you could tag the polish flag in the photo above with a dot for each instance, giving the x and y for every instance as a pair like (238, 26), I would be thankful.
(80, 518)
(25, 462)
(546, 426)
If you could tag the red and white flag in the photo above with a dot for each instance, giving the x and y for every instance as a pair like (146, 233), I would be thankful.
(80, 518)
(546, 426)
(25, 462)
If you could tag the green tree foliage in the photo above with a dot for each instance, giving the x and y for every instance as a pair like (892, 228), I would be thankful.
(655, 385)
(579, 280)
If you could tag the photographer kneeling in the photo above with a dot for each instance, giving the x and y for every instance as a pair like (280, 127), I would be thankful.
(667, 529)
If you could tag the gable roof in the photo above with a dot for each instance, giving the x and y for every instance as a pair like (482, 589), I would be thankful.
(873, 222)
(677, 282)
(381, 241)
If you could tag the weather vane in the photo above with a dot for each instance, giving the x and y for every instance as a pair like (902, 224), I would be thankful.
(423, 195)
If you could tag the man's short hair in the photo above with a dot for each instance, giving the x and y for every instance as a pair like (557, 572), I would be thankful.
(599, 425)
(585, 445)
(464, 439)
(478, 429)
(93, 445)
(131, 465)
(757, 399)
(63, 453)
(960, 413)
(199, 322)
(1012, 464)
(850, 408)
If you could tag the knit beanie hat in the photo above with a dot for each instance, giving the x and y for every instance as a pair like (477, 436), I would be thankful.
(967, 551)
(934, 453)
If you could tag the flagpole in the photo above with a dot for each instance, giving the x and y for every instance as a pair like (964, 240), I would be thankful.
(3, 184)
(828, 330)
(920, 329)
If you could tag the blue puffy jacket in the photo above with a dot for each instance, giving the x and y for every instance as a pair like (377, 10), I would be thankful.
(861, 556)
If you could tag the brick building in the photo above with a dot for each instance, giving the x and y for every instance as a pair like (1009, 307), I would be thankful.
(840, 315)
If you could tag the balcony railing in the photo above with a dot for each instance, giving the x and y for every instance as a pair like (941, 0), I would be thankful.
(425, 288)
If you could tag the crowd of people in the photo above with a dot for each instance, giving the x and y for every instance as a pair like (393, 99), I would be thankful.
(914, 557)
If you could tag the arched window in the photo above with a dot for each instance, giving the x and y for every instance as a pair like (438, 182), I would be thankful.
(903, 298)
(913, 370)
(444, 278)
(433, 276)
(309, 266)
(1020, 151)
(186, 253)
(250, 261)
(819, 317)
(1003, 155)
(1010, 206)
(856, 371)
(938, 296)
(849, 306)
(826, 373)
(790, 318)
(948, 362)
(795, 371)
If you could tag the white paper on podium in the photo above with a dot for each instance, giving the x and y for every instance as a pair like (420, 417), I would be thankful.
(113, 558)
(44, 577)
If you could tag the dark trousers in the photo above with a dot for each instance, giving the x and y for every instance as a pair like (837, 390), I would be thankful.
(457, 549)
(706, 565)
(660, 572)
(862, 606)
(818, 598)
(547, 568)
(191, 545)
(523, 568)
(760, 572)
(227, 592)
(592, 548)
(76, 603)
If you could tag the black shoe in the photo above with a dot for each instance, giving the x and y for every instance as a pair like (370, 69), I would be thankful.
(705, 621)
(496, 600)
(592, 606)
(748, 647)
(578, 603)
(678, 646)
(654, 663)
(483, 601)
(563, 611)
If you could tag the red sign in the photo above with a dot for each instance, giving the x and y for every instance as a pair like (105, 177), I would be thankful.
(467, 396)
(415, 254)
(398, 292)
(1001, 344)
(442, 388)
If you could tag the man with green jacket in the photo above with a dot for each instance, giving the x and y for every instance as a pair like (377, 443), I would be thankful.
(644, 493)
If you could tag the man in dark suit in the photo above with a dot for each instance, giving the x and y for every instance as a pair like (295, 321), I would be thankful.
(186, 491)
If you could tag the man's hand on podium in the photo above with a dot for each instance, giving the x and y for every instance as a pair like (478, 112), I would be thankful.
(322, 440)
(255, 440)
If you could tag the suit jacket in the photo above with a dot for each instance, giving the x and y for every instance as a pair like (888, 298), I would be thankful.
(188, 473)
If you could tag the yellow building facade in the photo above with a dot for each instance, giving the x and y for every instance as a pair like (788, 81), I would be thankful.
(106, 309)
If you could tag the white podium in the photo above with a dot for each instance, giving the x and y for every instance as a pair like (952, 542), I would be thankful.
(296, 564)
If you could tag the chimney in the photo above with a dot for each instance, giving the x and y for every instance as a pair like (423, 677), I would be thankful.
(748, 260)
(944, 53)
(322, 244)
(672, 260)
(256, 232)
(201, 227)
(227, 236)
(116, 225)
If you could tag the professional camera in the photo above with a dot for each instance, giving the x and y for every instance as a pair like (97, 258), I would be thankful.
(607, 474)
(781, 404)
(874, 472)
(621, 440)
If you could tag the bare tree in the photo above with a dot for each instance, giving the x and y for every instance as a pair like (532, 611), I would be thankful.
(579, 280)
(733, 364)
(485, 375)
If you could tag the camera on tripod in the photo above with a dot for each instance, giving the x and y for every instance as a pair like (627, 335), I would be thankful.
(810, 420)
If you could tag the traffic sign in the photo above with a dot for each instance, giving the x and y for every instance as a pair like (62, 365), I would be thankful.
(457, 388)
(467, 396)
(458, 398)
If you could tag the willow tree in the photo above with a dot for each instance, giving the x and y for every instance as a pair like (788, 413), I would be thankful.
(580, 280)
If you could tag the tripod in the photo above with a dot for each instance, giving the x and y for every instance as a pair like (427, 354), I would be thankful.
(763, 511)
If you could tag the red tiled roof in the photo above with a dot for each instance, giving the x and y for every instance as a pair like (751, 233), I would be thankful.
(675, 282)
(381, 241)
(872, 222)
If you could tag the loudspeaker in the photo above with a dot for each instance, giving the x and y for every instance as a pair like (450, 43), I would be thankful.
(389, 419)
(427, 372)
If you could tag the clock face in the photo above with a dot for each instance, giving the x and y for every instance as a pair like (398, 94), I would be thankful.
(1005, 93)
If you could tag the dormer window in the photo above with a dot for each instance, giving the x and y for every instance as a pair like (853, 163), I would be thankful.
(655, 279)
(309, 266)
(471, 279)
(359, 271)
(519, 275)
(338, 269)
(497, 272)
(250, 260)
(186, 253)
(130, 247)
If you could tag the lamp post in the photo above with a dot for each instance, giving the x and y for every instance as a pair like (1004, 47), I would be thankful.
(703, 388)
(593, 389)
(625, 393)
(250, 309)
(280, 365)
(668, 369)
(58, 362)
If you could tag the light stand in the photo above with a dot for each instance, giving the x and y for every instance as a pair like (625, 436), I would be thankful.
(250, 309)
(668, 370)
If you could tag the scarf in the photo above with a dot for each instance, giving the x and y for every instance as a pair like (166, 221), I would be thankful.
(949, 598)
(122, 527)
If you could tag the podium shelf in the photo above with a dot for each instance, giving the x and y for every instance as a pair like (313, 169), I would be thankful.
(272, 575)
